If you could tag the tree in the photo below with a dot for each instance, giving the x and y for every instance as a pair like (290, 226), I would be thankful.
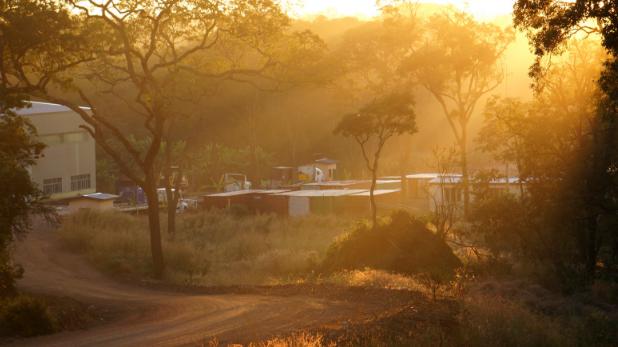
(445, 211)
(458, 66)
(20, 198)
(136, 51)
(550, 25)
(503, 131)
(550, 141)
(375, 124)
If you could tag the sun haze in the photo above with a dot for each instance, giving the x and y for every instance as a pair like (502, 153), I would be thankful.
(365, 9)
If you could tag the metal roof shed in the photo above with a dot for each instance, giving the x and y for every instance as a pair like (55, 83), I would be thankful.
(304, 202)
(95, 201)
(359, 203)
(226, 200)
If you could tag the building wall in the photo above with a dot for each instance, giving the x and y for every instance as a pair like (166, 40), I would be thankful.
(70, 152)
(103, 205)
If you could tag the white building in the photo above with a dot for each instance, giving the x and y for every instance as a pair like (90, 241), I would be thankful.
(68, 165)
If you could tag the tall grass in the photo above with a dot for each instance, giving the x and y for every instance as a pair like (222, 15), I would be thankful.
(209, 248)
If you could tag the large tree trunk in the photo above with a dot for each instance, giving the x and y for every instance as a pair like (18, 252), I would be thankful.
(465, 179)
(154, 225)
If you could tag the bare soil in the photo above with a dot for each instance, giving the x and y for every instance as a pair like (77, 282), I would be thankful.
(157, 315)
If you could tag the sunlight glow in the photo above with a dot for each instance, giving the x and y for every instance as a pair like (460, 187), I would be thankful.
(365, 9)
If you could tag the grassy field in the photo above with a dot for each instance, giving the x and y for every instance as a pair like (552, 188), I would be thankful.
(209, 248)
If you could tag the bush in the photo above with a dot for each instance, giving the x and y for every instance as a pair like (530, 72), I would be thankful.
(403, 245)
(25, 316)
(9, 274)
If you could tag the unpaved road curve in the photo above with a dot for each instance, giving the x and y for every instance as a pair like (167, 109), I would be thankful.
(159, 318)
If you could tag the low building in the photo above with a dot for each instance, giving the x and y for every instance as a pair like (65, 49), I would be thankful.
(67, 167)
(305, 202)
(359, 203)
(94, 201)
(448, 189)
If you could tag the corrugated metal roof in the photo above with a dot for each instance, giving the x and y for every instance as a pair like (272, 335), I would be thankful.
(430, 175)
(458, 179)
(335, 183)
(248, 191)
(100, 196)
(378, 192)
(38, 107)
(323, 193)
(382, 180)
(234, 193)
(326, 161)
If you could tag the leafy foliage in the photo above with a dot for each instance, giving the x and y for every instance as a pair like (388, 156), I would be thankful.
(375, 124)
(19, 196)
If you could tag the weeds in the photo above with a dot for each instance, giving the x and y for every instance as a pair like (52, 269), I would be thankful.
(209, 248)
(25, 316)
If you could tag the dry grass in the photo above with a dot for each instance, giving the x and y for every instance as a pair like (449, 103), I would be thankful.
(209, 248)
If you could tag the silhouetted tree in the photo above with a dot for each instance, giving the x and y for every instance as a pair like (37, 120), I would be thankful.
(375, 124)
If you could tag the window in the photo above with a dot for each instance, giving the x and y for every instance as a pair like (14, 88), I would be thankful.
(52, 186)
(80, 182)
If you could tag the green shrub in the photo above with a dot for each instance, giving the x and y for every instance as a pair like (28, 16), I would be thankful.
(403, 245)
(25, 316)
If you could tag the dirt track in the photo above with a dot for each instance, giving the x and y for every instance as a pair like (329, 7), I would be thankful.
(160, 318)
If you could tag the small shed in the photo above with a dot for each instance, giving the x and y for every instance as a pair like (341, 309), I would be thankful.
(304, 202)
(227, 199)
(267, 201)
(95, 201)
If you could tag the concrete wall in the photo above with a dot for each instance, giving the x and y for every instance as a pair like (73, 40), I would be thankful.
(70, 151)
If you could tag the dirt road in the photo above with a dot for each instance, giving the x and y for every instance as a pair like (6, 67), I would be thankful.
(160, 318)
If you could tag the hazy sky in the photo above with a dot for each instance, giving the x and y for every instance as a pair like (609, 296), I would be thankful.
(482, 9)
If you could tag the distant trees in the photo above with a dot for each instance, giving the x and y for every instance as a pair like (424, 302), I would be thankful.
(458, 65)
(372, 126)
(136, 51)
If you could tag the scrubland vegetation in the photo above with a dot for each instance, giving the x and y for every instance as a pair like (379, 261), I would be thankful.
(466, 304)
(213, 248)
